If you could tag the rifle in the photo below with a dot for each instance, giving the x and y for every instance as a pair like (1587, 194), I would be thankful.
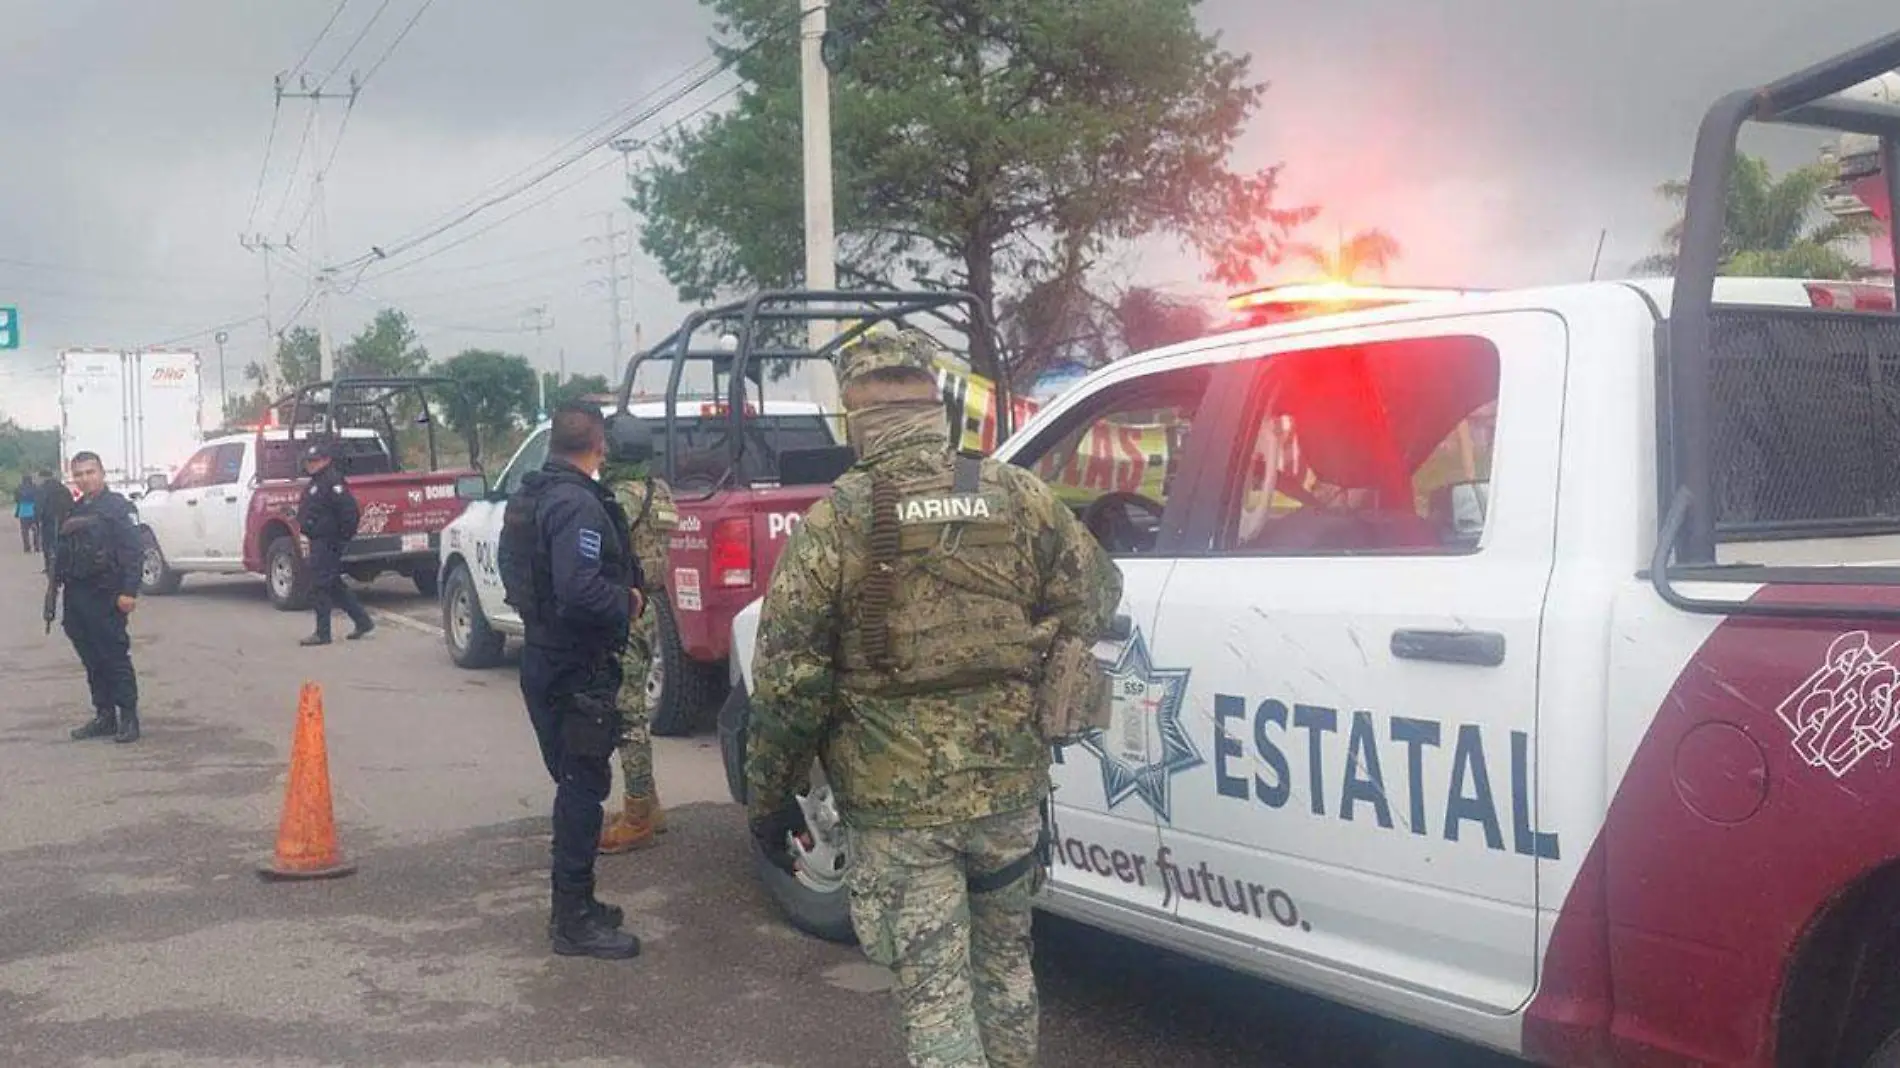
(50, 608)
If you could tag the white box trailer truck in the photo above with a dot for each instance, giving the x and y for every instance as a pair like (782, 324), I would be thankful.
(142, 412)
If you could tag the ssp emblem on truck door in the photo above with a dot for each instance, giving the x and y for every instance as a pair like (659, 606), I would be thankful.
(1145, 745)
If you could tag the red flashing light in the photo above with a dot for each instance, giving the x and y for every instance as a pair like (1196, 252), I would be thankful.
(1850, 296)
(717, 408)
(1337, 296)
(731, 553)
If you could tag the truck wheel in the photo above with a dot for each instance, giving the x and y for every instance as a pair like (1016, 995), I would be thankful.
(428, 583)
(815, 900)
(473, 644)
(677, 685)
(285, 575)
(156, 578)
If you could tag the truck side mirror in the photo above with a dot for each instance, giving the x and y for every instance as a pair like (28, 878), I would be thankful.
(472, 487)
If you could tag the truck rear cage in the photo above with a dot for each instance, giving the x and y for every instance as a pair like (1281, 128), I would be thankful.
(757, 323)
(1813, 389)
(379, 395)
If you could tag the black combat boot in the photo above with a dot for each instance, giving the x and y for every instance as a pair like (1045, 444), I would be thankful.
(611, 915)
(361, 629)
(104, 724)
(128, 726)
(319, 638)
(581, 931)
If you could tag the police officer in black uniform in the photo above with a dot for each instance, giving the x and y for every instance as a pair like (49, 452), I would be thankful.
(328, 516)
(568, 567)
(97, 560)
(50, 505)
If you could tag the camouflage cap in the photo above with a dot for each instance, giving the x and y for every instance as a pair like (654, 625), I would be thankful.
(885, 348)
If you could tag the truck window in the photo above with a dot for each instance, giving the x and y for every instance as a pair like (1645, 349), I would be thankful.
(1115, 459)
(227, 464)
(1379, 448)
(198, 471)
(532, 455)
(703, 449)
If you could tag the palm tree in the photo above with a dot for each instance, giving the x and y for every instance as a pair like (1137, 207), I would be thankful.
(1775, 227)
(1366, 250)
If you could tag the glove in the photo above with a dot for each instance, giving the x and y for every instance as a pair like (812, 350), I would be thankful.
(771, 832)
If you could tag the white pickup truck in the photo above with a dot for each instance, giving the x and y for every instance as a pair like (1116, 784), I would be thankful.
(1415, 710)
(477, 621)
(231, 508)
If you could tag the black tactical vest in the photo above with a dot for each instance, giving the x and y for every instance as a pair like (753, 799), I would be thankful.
(84, 554)
(527, 580)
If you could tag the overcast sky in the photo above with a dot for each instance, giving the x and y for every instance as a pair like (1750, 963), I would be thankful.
(1494, 138)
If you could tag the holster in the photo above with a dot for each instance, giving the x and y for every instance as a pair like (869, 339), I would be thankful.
(1006, 876)
(590, 719)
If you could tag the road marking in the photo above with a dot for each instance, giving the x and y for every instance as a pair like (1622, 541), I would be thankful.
(400, 620)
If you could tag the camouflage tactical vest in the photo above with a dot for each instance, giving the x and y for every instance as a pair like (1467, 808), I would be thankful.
(652, 517)
(934, 603)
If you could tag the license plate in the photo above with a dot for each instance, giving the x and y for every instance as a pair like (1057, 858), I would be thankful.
(415, 543)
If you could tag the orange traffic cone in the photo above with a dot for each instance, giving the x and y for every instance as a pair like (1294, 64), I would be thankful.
(306, 837)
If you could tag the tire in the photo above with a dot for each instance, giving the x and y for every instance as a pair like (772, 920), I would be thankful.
(428, 583)
(678, 687)
(807, 904)
(822, 911)
(473, 644)
(156, 578)
(286, 575)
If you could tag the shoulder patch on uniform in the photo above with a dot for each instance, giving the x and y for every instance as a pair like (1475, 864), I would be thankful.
(338, 488)
(590, 544)
(944, 509)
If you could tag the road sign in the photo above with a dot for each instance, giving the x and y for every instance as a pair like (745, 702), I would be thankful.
(9, 328)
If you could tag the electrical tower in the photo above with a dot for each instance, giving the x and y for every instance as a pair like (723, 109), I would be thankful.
(611, 260)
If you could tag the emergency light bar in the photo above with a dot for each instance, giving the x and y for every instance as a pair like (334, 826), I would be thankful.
(1340, 293)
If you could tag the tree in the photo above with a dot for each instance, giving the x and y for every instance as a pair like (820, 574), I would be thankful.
(575, 388)
(387, 347)
(976, 141)
(1150, 319)
(1773, 227)
(1365, 250)
(497, 393)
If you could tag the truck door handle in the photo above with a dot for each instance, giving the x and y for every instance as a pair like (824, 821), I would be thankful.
(1479, 648)
(1120, 629)
(191, 504)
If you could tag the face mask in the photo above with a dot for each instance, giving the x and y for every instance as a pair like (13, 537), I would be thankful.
(887, 427)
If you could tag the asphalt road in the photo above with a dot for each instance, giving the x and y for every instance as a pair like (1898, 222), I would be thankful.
(135, 932)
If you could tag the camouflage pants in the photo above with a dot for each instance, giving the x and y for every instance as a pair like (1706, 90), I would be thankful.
(964, 982)
(636, 739)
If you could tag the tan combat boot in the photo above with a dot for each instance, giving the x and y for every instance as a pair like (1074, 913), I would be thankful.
(631, 828)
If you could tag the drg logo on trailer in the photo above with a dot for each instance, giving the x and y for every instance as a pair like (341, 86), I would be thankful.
(1145, 745)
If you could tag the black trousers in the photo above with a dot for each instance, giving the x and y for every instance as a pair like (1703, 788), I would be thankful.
(570, 699)
(30, 535)
(327, 588)
(97, 629)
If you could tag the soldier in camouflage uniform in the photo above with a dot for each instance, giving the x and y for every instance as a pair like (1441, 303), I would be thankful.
(651, 513)
(901, 644)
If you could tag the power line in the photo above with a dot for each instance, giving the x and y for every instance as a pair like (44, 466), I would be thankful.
(404, 32)
(290, 186)
(321, 34)
(263, 170)
(348, 52)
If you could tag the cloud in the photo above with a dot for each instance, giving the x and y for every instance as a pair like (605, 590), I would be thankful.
(1495, 138)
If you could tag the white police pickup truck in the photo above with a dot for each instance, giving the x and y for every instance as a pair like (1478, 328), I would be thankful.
(1416, 709)
(477, 621)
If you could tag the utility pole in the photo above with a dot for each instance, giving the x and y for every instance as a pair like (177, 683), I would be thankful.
(319, 223)
(821, 271)
(224, 392)
(260, 243)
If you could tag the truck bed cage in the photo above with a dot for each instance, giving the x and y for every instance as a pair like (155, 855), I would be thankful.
(1806, 98)
(752, 319)
(374, 393)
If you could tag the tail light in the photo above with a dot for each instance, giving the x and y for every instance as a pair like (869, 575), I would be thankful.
(1850, 297)
(731, 551)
